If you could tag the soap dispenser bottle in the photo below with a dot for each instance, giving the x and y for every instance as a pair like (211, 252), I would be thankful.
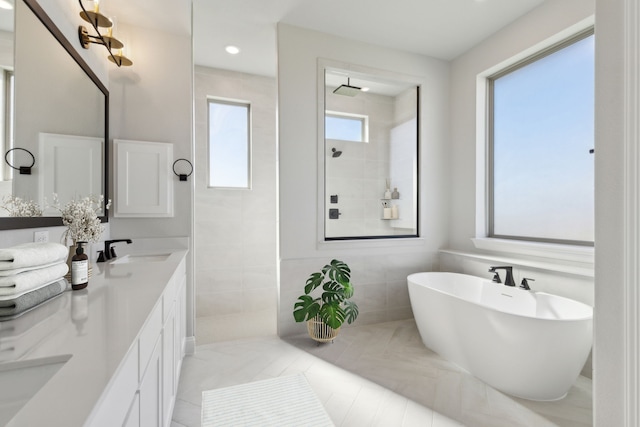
(79, 269)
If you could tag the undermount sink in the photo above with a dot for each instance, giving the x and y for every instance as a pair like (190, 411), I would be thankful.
(130, 259)
(21, 380)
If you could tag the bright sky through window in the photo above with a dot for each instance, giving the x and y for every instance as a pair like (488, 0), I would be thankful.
(543, 177)
(228, 144)
(345, 128)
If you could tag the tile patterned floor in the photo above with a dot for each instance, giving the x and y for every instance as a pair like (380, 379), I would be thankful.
(372, 375)
(349, 399)
(393, 355)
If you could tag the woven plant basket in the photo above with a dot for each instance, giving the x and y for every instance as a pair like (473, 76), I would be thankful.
(319, 331)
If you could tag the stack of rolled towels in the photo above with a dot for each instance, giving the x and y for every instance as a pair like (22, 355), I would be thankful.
(30, 274)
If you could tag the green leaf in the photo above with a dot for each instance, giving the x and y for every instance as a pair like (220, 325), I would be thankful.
(313, 282)
(351, 311)
(332, 314)
(306, 308)
(333, 292)
(338, 271)
(347, 290)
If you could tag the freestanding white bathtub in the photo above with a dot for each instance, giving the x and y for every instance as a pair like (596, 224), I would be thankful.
(530, 345)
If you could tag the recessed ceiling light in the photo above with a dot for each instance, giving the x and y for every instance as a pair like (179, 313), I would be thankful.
(233, 50)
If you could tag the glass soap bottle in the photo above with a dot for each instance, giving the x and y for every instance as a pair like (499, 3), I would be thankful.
(79, 269)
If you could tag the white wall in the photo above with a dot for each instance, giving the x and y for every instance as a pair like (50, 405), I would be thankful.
(379, 267)
(235, 230)
(152, 101)
(543, 26)
(533, 29)
(611, 395)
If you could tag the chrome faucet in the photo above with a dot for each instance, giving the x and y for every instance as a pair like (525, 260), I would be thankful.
(110, 251)
(508, 281)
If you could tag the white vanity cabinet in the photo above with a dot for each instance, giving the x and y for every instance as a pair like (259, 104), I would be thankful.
(133, 415)
(143, 390)
(150, 390)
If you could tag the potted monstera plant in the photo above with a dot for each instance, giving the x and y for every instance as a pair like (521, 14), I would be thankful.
(326, 313)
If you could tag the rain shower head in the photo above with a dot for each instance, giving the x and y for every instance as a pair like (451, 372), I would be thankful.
(347, 90)
(336, 153)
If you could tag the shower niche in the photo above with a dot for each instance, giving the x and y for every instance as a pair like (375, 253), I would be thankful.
(368, 147)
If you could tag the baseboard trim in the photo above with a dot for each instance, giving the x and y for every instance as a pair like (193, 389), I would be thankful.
(190, 345)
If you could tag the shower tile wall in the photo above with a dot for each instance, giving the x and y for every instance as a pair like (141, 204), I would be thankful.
(235, 230)
(359, 175)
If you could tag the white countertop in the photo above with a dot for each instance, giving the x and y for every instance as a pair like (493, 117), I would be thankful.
(96, 328)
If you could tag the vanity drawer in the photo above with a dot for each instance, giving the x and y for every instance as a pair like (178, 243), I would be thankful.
(169, 297)
(148, 337)
(171, 291)
(113, 409)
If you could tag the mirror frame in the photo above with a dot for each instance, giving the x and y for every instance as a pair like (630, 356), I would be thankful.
(324, 65)
(11, 223)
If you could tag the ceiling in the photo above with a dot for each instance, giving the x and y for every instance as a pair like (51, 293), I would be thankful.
(439, 28)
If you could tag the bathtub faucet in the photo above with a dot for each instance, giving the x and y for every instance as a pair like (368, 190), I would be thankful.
(508, 281)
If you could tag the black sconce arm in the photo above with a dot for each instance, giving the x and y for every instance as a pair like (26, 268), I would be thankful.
(182, 176)
(24, 170)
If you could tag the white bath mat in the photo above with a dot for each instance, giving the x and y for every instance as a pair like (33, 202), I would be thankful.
(282, 401)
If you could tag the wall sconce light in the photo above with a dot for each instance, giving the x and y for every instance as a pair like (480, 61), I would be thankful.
(98, 20)
(24, 170)
(183, 176)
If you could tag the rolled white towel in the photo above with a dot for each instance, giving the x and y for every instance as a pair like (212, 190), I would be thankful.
(32, 255)
(23, 282)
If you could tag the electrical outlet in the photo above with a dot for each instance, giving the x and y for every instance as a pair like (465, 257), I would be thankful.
(41, 236)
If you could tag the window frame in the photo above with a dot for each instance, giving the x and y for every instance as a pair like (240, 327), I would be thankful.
(249, 109)
(7, 110)
(362, 118)
(489, 116)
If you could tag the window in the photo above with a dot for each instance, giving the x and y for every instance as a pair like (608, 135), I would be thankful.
(229, 144)
(541, 131)
(346, 127)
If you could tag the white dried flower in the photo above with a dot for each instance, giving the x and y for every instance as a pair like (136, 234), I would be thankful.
(20, 208)
(81, 218)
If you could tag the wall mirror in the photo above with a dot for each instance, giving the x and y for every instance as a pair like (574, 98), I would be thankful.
(370, 155)
(57, 110)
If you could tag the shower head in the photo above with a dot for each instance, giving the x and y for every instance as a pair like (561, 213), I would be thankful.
(336, 153)
(347, 90)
